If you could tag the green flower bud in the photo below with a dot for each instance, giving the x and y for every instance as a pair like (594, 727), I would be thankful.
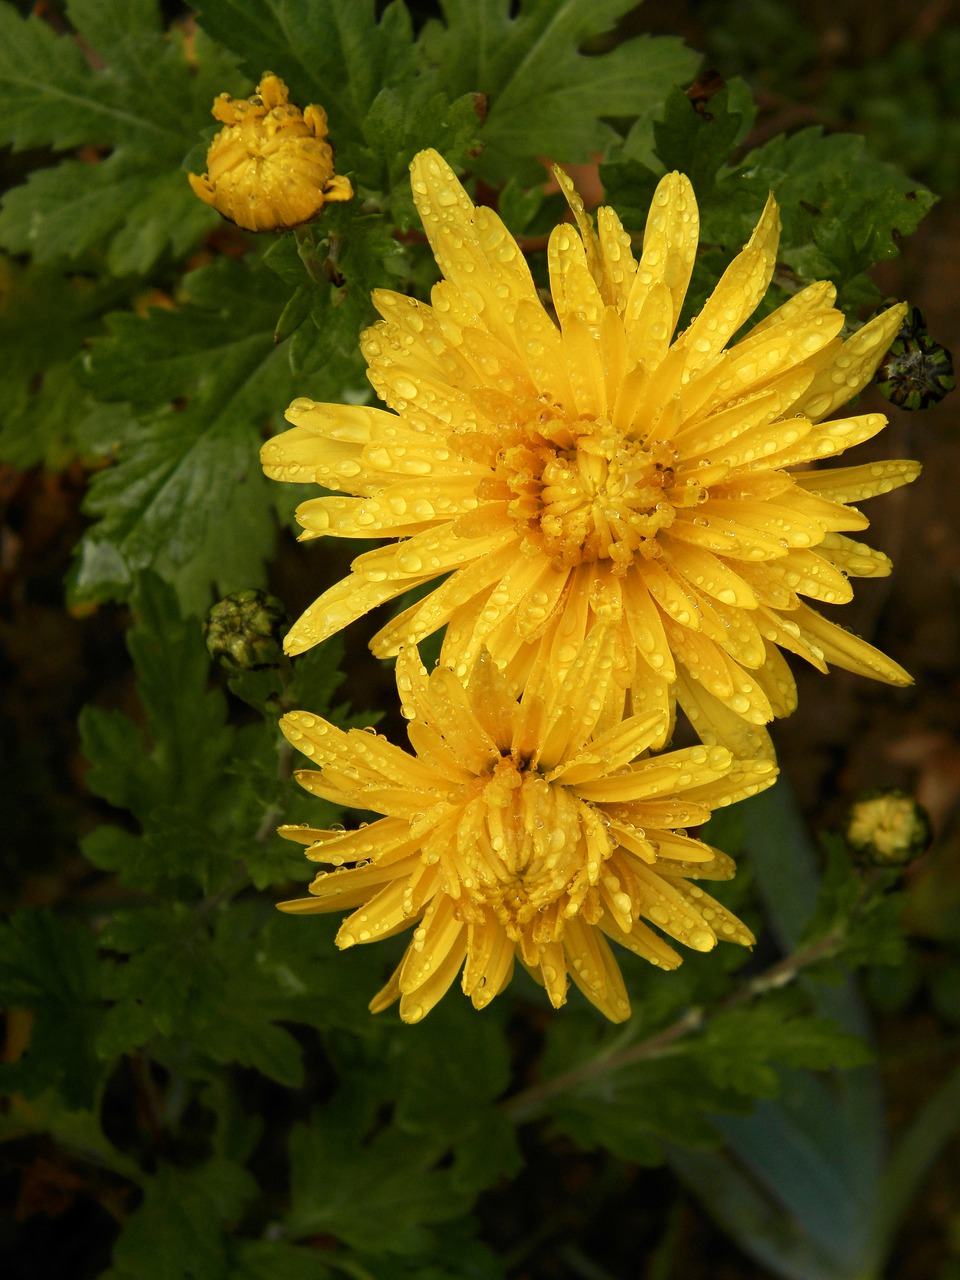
(917, 371)
(244, 631)
(887, 828)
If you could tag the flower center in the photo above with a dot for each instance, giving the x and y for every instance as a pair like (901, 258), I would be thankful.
(580, 491)
(527, 845)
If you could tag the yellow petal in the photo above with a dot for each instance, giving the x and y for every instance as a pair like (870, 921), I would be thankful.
(722, 923)
(388, 912)
(852, 364)
(438, 933)
(591, 243)
(642, 941)
(844, 649)
(453, 715)
(669, 244)
(619, 264)
(594, 970)
(612, 750)
(855, 484)
(854, 558)
(473, 248)
(462, 588)
(736, 294)
(714, 723)
(490, 959)
(416, 1004)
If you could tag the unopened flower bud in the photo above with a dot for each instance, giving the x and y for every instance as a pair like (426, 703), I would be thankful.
(244, 631)
(270, 167)
(887, 828)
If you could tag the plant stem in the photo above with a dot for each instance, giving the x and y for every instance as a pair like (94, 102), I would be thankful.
(528, 1103)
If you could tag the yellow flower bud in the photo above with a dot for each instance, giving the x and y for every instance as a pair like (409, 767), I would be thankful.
(270, 167)
(888, 828)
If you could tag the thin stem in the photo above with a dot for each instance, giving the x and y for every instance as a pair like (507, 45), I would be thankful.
(527, 1104)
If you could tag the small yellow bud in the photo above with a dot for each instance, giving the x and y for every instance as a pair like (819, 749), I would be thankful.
(270, 167)
(888, 828)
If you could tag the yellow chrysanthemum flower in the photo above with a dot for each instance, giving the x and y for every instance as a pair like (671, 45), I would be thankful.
(593, 467)
(516, 830)
(270, 167)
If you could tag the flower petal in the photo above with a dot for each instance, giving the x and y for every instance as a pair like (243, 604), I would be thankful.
(736, 294)
(856, 484)
(669, 244)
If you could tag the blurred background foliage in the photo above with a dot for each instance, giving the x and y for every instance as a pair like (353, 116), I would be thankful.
(193, 1086)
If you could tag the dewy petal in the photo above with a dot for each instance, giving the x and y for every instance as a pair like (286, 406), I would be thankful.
(594, 970)
(856, 484)
(490, 958)
(855, 559)
(736, 294)
(618, 263)
(591, 470)
(852, 365)
(589, 238)
(669, 244)
(487, 856)
(475, 251)
(573, 287)
(844, 649)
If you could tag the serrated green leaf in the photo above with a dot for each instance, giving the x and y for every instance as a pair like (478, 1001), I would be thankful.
(546, 96)
(45, 317)
(140, 94)
(338, 1178)
(171, 777)
(338, 55)
(189, 986)
(51, 968)
(51, 95)
(187, 495)
(72, 1128)
(842, 208)
(206, 796)
(178, 1230)
(699, 143)
(66, 211)
(277, 1260)
(740, 1046)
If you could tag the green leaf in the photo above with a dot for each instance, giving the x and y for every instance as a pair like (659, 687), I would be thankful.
(173, 774)
(546, 96)
(51, 968)
(740, 1047)
(467, 1057)
(341, 1173)
(205, 796)
(44, 319)
(186, 495)
(179, 1229)
(405, 120)
(277, 1260)
(697, 142)
(858, 908)
(842, 208)
(338, 55)
(143, 96)
(189, 986)
(199, 994)
(66, 211)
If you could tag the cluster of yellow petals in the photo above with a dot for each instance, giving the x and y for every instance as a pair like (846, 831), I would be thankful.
(623, 521)
(588, 466)
(270, 167)
(517, 830)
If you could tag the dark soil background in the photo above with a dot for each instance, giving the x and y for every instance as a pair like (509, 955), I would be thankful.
(847, 735)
